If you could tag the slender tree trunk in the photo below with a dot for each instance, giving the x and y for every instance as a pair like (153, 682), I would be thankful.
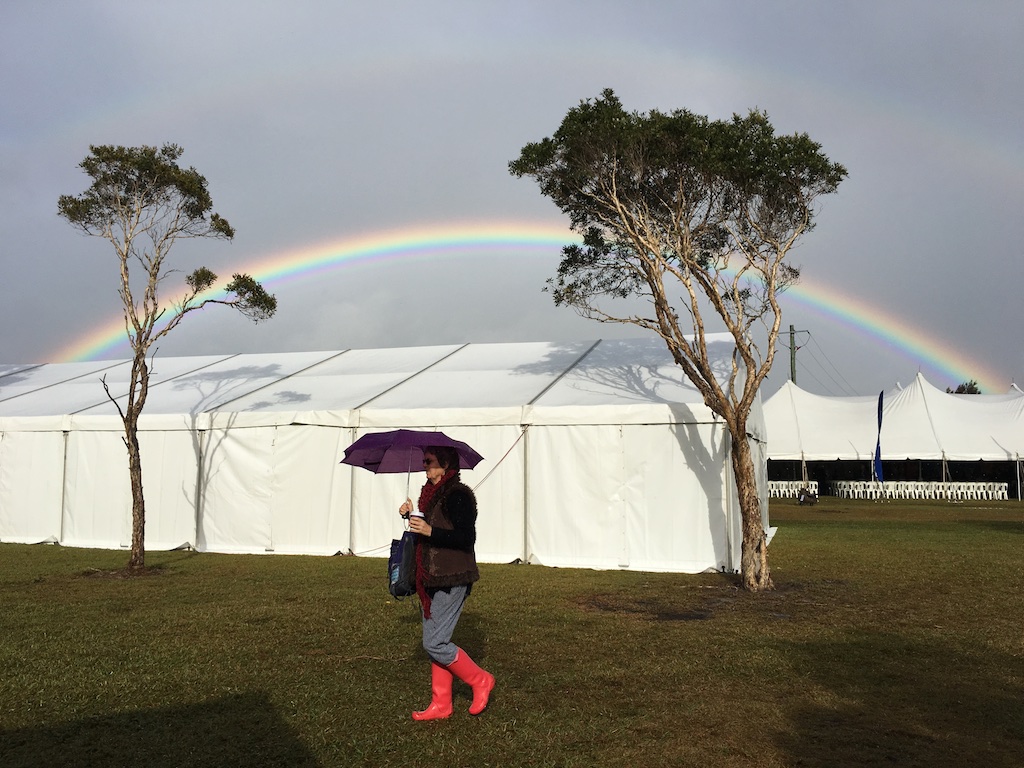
(754, 557)
(137, 560)
(136, 400)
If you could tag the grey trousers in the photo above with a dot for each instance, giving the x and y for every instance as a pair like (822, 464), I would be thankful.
(445, 609)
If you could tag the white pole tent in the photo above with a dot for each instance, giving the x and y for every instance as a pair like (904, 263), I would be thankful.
(919, 422)
(596, 454)
(805, 426)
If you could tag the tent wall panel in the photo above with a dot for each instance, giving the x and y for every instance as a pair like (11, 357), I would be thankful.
(576, 511)
(625, 497)
(374, 505)
(30, 512)
(170, 468)
(236, 482)
(499, 483)
(309, 502)
(97, 492)
(676, 523)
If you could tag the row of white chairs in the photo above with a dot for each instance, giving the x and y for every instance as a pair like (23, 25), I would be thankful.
(960, 491)
(789, 489)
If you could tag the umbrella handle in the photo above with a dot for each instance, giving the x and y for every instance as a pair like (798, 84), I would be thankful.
(405, 517)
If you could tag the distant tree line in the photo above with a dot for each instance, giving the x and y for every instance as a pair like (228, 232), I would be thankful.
(967, 388)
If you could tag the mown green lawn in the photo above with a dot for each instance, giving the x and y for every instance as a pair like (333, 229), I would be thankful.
(894, 637)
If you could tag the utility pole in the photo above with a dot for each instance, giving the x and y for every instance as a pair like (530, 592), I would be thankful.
(792, 354)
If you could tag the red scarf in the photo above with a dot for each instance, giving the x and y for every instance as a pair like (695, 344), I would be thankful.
(423, 505)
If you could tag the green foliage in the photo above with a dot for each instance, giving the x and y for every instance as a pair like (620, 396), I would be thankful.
(663, 191)
(131, 183)
(252, 299)
(201, 279)
(967, 388)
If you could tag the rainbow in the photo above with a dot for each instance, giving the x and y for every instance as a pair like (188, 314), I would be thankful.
(895, 333)
(108, 340)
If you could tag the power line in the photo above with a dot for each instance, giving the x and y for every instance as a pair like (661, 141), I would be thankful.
(844, 384)
(810, 373)
(841, 383)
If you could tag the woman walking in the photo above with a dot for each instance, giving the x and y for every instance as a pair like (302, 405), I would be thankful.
(445, 519)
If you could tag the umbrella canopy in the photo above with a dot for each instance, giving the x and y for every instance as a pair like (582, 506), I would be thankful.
(401, 450)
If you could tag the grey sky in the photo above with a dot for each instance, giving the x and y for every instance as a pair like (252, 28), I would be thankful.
(320, 121)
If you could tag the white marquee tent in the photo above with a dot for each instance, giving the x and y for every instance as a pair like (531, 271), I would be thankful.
(597, 454)
(918, 422)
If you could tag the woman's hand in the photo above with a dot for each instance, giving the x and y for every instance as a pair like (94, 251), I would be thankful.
(419, 525)
(406, 508)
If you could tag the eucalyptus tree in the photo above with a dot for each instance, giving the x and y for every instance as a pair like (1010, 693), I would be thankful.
(695, 218)
(143, 202)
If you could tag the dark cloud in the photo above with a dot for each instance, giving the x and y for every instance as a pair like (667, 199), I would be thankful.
(316, 121)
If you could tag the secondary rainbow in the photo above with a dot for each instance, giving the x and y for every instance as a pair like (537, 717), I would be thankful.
(108, 340)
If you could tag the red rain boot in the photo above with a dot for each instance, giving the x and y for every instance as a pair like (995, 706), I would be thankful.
(441, 695)
(482, 682)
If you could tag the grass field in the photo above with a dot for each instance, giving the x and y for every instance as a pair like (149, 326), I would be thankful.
(894, 637)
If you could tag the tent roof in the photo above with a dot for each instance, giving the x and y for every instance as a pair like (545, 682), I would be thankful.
(633, 376)
(918, 422)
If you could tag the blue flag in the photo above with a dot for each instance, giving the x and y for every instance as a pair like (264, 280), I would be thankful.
(878, 445)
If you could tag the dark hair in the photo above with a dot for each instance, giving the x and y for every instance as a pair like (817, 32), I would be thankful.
(446, 456)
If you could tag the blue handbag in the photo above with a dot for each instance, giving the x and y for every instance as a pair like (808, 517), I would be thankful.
(402, 566)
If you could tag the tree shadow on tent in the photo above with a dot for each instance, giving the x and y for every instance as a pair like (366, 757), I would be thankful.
(217, 388)
(234, 730)
(640, 370)
(13, 374)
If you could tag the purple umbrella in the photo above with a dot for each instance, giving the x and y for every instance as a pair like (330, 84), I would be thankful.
(401, 450)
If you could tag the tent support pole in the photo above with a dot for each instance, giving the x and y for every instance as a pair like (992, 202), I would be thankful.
(201, 441)
(727, 485)
(352, 431)
(63, 489)
(526, 494)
